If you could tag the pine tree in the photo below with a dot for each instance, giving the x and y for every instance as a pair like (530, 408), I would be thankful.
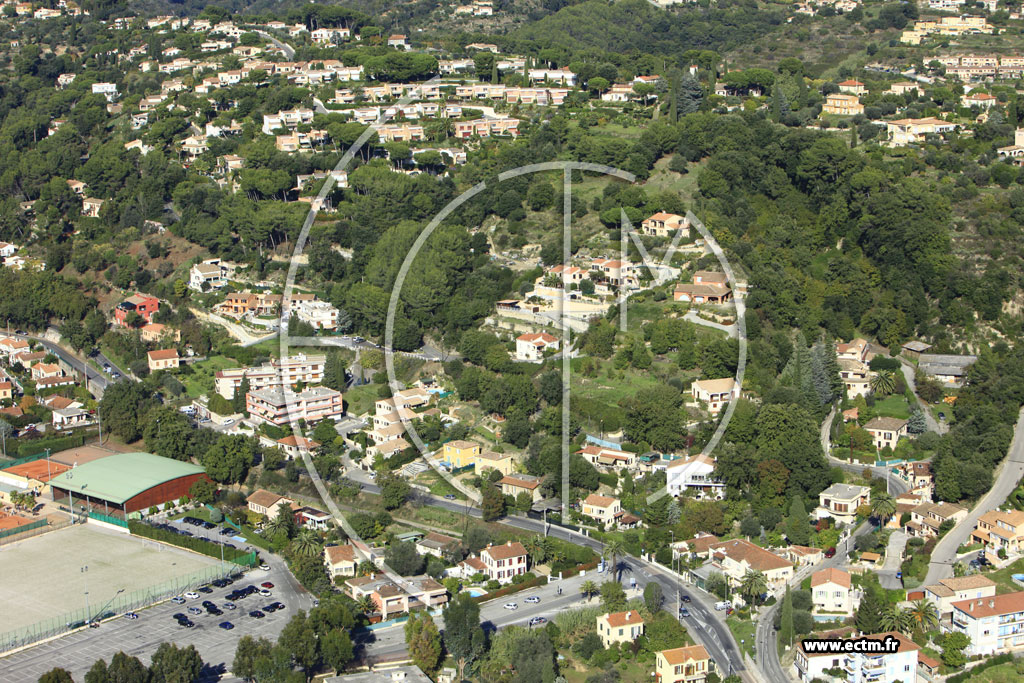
(786, 628)
(238, 400)
(869, 613)
(798, 529)
(917, 423)
(673, 97)
(853, 136)
(689, 94)
(801, 91)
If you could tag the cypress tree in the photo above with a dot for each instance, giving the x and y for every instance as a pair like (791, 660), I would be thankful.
(786, 628)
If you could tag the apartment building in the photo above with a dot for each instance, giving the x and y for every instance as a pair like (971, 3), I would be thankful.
(279, 408)
(397, 596)
(664, 224)
(486, 127)
(925, 519)
(695, 473)
(604, 456)
(994, 624)
(274, 374)
(1000, 530)
(736, 557)
(320, 314)
(842, 105)
(898, 665)
(956, 589)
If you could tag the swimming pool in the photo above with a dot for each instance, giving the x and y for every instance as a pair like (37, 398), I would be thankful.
(476, 592)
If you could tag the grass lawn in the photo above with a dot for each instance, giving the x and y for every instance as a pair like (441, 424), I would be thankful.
(945, 409)
(893, 406)
(1001, 673)
(743, 630)
(360, 400)
(1002, 577)
(200, 380)
(630, 671)
(438, 485)
(602, 388)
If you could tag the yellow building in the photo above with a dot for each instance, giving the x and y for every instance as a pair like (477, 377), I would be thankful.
(490, 460)
(459, 454)
(620, 627)
(683, 665)
(842, 105)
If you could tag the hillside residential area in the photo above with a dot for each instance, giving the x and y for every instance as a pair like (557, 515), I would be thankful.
(512, 341)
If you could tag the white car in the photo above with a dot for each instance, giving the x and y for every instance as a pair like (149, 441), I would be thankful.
(510, 605)
(265, 567)
(265, 593)
(533, 599)
(192, 595)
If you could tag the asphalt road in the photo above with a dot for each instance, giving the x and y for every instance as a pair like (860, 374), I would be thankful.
(704, 624)
(426, 352)
(1006, 479)
(933, 424)
(289, 51)
(98, 378)
(141, 637)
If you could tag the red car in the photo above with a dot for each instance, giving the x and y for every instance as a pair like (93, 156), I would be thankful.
(267, 584)
(831, 552)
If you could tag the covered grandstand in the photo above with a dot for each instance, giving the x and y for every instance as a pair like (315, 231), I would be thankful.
(122, 483)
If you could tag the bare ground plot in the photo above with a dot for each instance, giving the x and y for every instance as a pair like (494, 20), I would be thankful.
(43, 577)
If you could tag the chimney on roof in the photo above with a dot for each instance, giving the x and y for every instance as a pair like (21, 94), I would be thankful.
(971, 606)
(991, 603)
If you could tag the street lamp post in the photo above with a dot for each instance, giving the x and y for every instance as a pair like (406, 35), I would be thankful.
(85, 574)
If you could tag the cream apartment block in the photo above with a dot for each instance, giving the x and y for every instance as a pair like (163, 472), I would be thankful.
(925, 519)
(486, 127)
(400, 133)
(531, 347)
(856, 377)
(832, 592)
(888, 667)
(840, 501)
(956, 589)
(993, 624)
(275, 374)
(489, 460)
(620, 627)
(1000, 530)
(279, 408)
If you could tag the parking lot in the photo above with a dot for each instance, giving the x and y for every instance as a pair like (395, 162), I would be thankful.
(78, 651)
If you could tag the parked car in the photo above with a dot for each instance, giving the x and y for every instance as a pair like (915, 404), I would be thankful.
(256, 614)
(206, 589)
(831, 552)
(270, 609)
(178, 600)
(533, 599)
(265, 567)
(722, 604)
(192, 595)
(226, 625)
(230, 605)
(449, 496)
(267, 584)
(187, 623)
(179, 616)
(131, 615)
(537, 621)
(265, 593)
(510, 605)
(195, 610)
(279, 606)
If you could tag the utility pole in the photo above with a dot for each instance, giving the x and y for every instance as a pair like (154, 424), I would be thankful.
(85, 573)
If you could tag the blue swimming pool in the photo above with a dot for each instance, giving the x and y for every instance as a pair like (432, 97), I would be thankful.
(476, 592)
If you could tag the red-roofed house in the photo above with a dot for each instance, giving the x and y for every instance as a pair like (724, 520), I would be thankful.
(852, 87)
(607, 457)
(620, 627)
(690, 664)
(736, 557)
(531, 347)
(601, 508)
(163, 359)
(341, 560)
(664, 224)
(994, 624)
(831, 592)
(502, 562)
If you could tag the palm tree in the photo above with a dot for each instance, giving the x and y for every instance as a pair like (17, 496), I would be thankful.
(884, 382)
(307, 543)
(365, 604)
(588, 588)
(753, 585)
(895, 618)
(883, 507)
(613, 552)
(924, 614)
(275, 526)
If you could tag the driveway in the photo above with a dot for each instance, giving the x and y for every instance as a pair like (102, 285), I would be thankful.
(1005, 480)
(887, 575)
(933, 425)
(697, 320)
